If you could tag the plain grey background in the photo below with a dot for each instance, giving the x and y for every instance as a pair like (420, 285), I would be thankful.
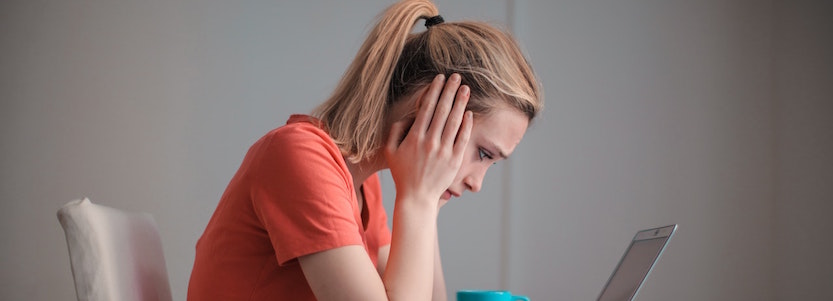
(712, 114)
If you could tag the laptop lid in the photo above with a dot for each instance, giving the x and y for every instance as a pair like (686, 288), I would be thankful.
(639, 259)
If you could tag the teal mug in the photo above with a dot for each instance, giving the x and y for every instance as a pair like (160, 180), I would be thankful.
(485, 295)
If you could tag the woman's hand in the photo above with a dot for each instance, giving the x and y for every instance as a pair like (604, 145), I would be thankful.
(424, 164)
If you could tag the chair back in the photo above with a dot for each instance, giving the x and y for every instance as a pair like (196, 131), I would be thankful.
(114, 254)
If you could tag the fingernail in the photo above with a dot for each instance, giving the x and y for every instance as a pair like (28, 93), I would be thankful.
(439, 77)
(455, 77)
(465, 90)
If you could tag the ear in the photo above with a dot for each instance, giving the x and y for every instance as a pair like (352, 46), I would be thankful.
(419, 97)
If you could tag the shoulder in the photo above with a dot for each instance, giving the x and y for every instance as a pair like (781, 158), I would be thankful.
(300, 129)
(301, 136)
(301, 147)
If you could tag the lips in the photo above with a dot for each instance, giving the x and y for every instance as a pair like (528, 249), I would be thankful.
(456, 195)
(448, 194)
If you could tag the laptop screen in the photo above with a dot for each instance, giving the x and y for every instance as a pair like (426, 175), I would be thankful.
(633, 268)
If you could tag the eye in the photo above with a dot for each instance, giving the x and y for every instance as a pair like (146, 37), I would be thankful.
(483, 154)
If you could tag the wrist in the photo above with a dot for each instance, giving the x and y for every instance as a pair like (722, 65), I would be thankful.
(415, 206)
(417, 200)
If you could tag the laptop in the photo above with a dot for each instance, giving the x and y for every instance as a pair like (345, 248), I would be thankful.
(639, 259)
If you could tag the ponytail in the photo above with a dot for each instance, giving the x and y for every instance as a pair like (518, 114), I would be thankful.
(393, 63)
(355, 114)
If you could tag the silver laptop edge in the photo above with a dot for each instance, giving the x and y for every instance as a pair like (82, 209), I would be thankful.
(665, 232)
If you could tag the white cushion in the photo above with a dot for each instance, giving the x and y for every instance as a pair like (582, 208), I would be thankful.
(115, 255)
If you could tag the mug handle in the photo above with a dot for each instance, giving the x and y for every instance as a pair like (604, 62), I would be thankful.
(516, 298)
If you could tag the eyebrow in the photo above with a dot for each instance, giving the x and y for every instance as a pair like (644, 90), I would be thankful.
(500, 152)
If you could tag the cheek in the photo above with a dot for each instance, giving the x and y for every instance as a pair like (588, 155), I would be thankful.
(471, 157)
(472, 167)
(470, 164)
(464, 169)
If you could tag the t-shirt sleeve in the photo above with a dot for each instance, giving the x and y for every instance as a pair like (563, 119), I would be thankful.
(301, 194)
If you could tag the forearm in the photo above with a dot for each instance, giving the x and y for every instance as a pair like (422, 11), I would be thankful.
(440, 293)
(409, 274)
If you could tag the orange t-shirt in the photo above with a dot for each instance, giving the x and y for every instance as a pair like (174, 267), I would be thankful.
(292, 196)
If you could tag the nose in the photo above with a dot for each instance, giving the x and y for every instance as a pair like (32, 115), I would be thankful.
(474, 180)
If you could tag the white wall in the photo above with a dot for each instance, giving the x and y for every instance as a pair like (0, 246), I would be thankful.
(658, 112)
(151, 105)
(710, 114)
(146, 105)
(804, 164)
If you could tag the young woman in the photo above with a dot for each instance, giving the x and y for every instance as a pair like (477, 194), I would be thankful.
(302, 218)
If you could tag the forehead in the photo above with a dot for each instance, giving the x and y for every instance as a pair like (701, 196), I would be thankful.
(503, 128)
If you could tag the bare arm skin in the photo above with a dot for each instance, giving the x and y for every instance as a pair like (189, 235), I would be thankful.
(440, 293)
(382, 259)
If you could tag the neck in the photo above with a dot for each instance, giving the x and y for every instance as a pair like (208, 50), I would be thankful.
(362, 170)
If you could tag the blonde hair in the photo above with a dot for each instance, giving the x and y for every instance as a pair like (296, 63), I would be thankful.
(393, 62)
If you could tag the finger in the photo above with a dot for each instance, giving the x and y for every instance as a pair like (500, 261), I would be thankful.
(455, 118)
(429, 100)
(444, 106)
(464, 134)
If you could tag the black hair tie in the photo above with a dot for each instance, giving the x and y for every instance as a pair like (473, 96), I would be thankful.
(433, 21)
